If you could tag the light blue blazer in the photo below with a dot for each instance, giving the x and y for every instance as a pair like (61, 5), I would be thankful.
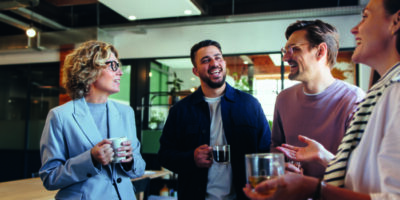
(68, 136)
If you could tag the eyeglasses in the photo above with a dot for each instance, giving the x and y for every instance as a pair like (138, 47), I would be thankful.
(114, 65)
(289, 49)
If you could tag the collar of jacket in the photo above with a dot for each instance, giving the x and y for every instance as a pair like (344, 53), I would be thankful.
(86, 122)
(229, 95)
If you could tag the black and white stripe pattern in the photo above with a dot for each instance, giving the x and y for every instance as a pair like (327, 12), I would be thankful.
(336, 169)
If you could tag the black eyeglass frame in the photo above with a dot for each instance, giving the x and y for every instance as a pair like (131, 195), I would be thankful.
(114, 65)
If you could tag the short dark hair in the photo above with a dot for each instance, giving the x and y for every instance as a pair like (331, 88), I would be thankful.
(317, 33)
(204, 43)
(391, 7)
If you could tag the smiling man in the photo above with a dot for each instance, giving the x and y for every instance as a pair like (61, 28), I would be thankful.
(216, 114)
(320, 107)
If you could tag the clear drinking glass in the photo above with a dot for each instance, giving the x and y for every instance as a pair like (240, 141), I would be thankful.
(264, 166)
(222, 154)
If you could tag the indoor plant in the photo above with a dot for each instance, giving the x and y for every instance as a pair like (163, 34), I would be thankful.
(176, 87)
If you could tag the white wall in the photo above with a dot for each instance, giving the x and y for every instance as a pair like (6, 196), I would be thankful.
(249, 37)
(364, 74)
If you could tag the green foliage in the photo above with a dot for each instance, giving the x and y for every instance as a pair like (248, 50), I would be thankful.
(242, 84)
(176, 84)
(157, 117)
(270, 124)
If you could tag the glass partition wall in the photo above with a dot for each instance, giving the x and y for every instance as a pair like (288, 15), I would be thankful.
(262, 75)
(27, 93)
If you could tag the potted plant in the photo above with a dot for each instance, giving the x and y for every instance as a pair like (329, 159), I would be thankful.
(156, 120)
(175, 89)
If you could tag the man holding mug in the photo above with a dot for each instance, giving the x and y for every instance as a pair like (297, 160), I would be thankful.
(216, 114)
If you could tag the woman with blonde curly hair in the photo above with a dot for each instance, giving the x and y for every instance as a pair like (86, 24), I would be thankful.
(75, 151)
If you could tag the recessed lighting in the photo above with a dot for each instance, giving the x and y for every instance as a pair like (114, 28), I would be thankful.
(188, 12)
(132, 17)
(30, 32)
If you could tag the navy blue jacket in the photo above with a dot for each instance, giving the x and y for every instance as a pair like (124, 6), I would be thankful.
(188, 126)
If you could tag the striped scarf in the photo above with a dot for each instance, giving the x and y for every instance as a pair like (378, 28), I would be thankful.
(336, 170)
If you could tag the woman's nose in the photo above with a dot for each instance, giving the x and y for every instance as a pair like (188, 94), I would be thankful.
(119, 71)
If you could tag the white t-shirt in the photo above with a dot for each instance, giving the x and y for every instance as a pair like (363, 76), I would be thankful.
(219, 185)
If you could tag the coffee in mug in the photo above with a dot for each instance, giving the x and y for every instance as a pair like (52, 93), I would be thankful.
(222, 154)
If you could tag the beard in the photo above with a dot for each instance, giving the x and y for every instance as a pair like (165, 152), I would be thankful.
(212, 84)
(293, 76)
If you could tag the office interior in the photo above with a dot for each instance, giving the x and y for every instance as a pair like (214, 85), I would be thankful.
(151, 51)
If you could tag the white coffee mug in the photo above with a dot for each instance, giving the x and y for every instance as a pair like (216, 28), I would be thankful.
(117, 143)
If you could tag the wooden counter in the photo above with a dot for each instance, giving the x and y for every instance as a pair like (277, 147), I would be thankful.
(153, 174)
(33, 189)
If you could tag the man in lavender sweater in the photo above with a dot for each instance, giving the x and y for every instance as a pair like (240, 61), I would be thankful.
(320, 107)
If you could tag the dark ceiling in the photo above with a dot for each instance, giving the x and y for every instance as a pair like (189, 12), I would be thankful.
(89, 13)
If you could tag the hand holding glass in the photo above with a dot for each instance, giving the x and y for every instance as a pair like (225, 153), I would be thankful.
(264, 166)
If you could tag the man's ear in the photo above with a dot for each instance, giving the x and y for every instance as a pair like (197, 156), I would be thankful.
(322, 50)
(194, 70)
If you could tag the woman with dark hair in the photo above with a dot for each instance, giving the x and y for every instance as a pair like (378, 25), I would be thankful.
(75, 151)
(366, 165)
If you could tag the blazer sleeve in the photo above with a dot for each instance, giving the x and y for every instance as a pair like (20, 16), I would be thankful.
(58, 169)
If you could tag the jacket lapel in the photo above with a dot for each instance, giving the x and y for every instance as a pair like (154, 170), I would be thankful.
(85, 121)
(227, 101)
(114, 120)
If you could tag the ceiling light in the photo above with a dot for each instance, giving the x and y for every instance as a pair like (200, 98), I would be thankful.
(31, 32)
(188, 12)
(276, 59)
(132, 17)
